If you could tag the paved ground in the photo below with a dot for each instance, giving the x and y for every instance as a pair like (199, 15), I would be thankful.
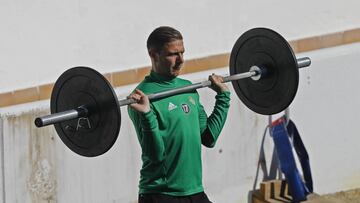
(349, 196)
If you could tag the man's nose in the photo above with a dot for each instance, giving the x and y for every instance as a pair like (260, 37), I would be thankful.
(180, 58)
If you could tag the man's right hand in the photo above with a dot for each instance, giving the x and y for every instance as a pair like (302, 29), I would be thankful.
(143, 103)
(217, 83)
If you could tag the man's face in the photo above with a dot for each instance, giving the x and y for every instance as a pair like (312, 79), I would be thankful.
(169, 60)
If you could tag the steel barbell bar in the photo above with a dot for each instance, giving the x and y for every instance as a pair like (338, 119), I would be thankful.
(255, 72)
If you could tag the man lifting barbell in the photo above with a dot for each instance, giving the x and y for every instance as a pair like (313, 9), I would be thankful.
(171, 130)
(86, 111)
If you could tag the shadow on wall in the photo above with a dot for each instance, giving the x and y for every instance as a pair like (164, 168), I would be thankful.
(274, 171)
(29, 163)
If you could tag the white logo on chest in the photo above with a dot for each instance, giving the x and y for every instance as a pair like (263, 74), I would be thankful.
(171, 106)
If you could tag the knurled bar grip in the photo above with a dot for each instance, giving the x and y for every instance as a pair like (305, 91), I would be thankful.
(188, 88)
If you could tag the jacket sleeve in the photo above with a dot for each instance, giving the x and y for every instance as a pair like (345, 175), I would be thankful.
(147, 129)
(210, 127)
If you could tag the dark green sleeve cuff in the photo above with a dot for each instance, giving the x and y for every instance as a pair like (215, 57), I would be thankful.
(223, 99)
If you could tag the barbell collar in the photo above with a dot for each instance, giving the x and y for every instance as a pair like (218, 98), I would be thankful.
(261, 71)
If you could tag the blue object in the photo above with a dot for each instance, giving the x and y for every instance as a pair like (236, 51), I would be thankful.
(302, 154)
(297, 187)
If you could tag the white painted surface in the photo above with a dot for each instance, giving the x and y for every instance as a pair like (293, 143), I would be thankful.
(2, 175)
(39, 168)
(326, 110)
(41, 39)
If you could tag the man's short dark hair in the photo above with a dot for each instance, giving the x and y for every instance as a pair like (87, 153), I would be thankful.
(160, 36)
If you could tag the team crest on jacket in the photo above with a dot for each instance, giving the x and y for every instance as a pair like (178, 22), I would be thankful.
(185, 108)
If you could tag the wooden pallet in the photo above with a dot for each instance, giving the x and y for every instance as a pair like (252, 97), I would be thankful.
(276, 191)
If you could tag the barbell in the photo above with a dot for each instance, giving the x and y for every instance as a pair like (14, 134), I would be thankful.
(86, 111)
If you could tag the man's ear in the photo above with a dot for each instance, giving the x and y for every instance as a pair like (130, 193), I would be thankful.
(152, 53)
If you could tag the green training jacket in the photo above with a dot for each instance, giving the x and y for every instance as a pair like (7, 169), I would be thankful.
(171, 134)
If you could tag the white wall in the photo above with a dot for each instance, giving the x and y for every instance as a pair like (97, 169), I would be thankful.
(39, 168)
(40, 39)
(2, 175)
(326, 111)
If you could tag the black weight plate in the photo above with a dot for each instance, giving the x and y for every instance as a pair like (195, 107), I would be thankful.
(96, 134)
(265, 48)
